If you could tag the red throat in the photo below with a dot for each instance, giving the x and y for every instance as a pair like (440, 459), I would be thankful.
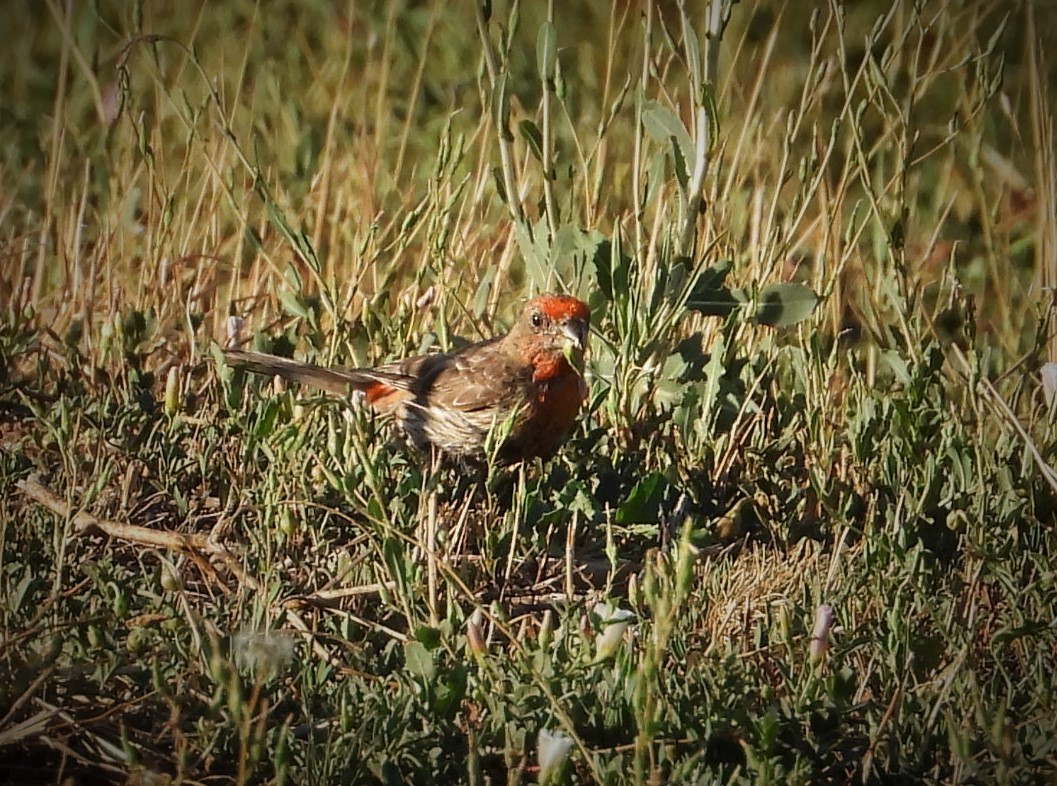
(547, 366)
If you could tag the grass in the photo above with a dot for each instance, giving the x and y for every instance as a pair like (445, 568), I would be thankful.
(206, 578)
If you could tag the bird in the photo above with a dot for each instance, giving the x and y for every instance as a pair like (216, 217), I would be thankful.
(527, 385)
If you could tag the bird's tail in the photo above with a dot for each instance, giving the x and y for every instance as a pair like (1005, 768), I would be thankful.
(332, 380)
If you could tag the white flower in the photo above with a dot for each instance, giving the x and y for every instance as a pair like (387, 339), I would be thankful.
(233, 328)
(475, 634)
(554, 747)
(1048, 372)
(172, 391)
(820, 633)
(265, 654)
(614, 622)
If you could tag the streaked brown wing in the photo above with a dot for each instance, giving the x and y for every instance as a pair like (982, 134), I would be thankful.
(412, 368)
(477, 378)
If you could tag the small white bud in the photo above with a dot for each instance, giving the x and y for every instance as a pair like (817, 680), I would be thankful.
(554, 748)
(172, 391)
(1048, 372)
(265, 655)
(475, 634)
(234, 327)
(820, 633)
(615, 623)
(426, 298)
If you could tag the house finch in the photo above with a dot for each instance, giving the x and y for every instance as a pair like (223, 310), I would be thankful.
(527, 383)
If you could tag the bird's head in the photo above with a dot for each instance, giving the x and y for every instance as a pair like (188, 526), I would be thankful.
(558, 324)
(550, 329)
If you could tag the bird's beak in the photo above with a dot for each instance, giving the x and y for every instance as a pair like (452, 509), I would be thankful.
(576, 331)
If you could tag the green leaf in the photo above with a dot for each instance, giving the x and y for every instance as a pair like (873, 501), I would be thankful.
(500, 186)
(655, 177)
(603, 270)
(419, 660)
(710, 390)
(570, 241)
(784, 304)
(643, 503)
(396, 561)
(530, 133)
(450, 692)
(428, 636)
(691, 45)
(266, 425)
(662, 124)
(14, 601)
(691, 350)
(501, 106)
(679, 163)
(546, 51)
(534, 253)
(897, 365)
(292, 304)
(708, 100)
(709, 296)
(612, 268)
(480, 297)
(619, 267)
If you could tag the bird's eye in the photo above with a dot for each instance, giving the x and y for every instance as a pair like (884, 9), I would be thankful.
(537, 319)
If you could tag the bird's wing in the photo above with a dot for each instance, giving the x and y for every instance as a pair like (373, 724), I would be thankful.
(476, 378)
